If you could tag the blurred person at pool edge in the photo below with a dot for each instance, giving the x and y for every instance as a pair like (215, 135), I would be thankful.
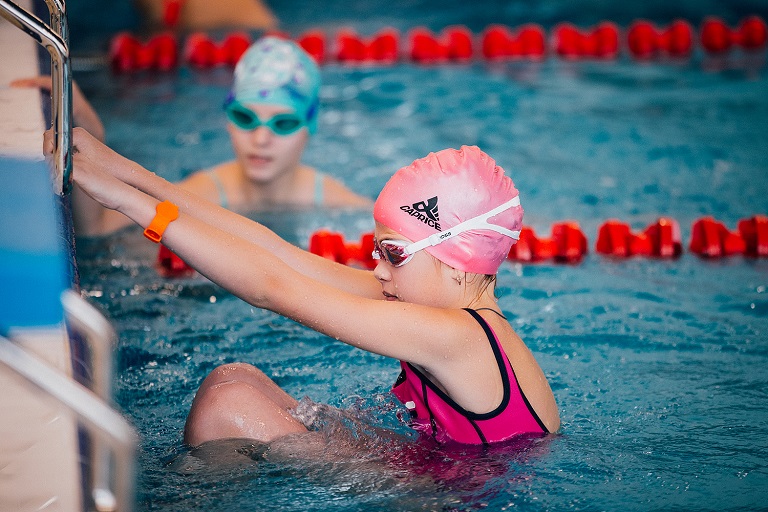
(83, 113)
(272, 110)
(206, 15)
(443, 226)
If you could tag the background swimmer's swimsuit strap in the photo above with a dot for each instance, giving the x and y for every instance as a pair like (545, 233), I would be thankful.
(318, 194)
(223, 202)
(436, 414)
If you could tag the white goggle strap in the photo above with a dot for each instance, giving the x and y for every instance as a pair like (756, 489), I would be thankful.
(480, 222)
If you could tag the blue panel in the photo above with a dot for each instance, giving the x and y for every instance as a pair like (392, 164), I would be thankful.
(32, 258)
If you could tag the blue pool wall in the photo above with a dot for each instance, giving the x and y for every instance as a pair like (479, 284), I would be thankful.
(34, 264)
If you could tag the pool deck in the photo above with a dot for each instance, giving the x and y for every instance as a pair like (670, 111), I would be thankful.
(39, 450)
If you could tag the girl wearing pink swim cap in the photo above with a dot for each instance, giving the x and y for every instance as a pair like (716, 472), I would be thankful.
(444, 224)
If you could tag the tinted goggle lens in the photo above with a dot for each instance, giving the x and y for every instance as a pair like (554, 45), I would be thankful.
(243, 118)
(391, 251)
(285, 124)
(246, 119)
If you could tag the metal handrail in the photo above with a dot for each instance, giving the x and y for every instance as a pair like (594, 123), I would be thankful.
(100, 336)
(61, 87)
(85, 319)
(102, 422)
(57, 11)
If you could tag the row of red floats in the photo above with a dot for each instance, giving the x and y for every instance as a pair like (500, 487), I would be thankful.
(643, 40)
(567, 243)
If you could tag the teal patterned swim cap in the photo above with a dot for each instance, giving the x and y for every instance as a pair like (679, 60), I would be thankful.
(278, 71)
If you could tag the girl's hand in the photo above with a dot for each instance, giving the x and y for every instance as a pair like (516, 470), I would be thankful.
(91, 161)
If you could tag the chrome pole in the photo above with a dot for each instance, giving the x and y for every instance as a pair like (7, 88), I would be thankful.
(101, 420)
(61, 87)
(57, 11)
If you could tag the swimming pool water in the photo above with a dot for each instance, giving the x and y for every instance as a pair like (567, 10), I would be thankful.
(660, 368)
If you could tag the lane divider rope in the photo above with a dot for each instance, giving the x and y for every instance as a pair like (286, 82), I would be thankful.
(642, 40)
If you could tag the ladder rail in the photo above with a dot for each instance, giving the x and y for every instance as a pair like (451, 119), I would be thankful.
(58, 14)
(103, 422)
(101, 339)
(61, 77)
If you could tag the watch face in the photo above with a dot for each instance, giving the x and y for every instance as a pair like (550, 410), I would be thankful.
(168, 209)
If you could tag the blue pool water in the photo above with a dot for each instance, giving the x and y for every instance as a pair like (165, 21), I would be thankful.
(660, 368)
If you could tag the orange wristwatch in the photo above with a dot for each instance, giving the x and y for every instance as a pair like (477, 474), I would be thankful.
(167, 212)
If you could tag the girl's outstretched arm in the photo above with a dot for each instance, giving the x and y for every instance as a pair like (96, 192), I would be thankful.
(256, 265)
(96, 162)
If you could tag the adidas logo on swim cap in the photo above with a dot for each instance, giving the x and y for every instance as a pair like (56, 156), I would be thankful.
(425, 211)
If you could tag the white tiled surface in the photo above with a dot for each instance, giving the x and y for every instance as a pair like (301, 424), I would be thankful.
(39, 455)
(21, 120)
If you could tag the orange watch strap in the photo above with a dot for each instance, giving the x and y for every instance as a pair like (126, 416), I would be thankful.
(167, 212)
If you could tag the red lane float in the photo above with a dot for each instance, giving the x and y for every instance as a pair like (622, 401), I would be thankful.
(530, 248)
(313, 43)
(123, 50)
(201, 51)
(127, 53)
(567, 244)
(499, 42)
(460, 43)
(381, 48)
(660, 239)
(570, 242)
(453, 44)
(645, 41)
(332, 246)
(665, 238)
(754, 231)
(711, 239)
(615, 238)
(170, 265)
(717, 37)
(601, 42)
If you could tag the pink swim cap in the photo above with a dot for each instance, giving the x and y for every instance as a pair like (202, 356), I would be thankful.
(436, 193)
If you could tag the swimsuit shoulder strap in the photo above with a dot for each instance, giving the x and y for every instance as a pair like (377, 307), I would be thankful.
(223, 202)
(505, 366)
(319, 195)
(492, 311)
(492, 338)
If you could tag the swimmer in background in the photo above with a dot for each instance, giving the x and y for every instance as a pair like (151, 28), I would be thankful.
(272, 110)
(206, 15)
(467, 377)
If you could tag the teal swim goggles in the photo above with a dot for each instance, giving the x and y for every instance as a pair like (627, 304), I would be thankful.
(246, 119)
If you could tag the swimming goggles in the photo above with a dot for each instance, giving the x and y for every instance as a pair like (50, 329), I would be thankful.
(246, 119)
(399, 252)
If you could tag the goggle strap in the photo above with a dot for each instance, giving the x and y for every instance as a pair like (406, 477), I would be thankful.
(480, 222)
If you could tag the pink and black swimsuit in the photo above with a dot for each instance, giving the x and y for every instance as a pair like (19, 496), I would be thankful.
(434, 413)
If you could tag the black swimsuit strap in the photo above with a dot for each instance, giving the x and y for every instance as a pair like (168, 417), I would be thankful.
(492, 310)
